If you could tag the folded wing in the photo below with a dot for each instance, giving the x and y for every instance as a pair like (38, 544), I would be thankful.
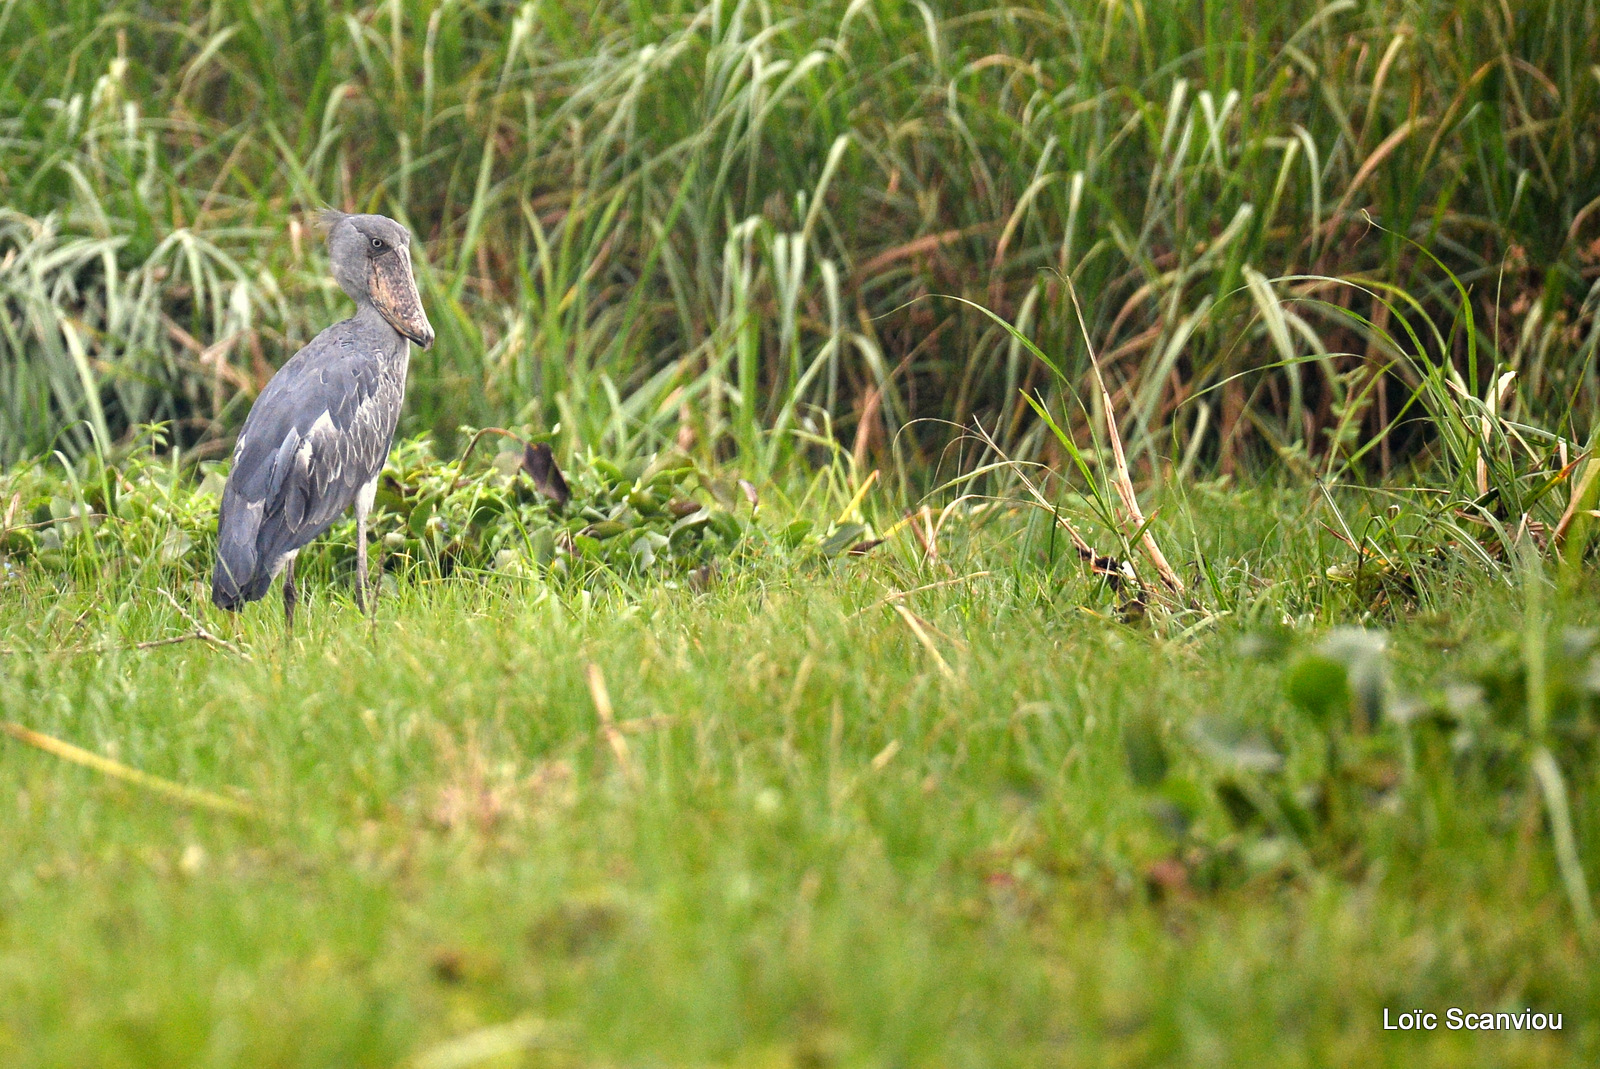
(318, 433)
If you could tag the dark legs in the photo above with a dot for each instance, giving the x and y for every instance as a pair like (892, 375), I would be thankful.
(290, 595)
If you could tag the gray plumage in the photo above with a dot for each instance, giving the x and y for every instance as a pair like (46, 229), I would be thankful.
(317, 437)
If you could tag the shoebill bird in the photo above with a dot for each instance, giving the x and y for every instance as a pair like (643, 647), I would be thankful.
(316, 439)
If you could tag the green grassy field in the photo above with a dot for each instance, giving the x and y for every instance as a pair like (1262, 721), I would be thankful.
(1010, 825)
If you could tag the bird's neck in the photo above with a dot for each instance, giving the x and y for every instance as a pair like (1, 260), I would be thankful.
(369, 318)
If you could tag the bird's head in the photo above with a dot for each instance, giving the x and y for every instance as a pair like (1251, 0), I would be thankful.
(371, 258)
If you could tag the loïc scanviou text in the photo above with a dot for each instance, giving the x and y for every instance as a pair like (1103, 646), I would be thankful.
(1457, 1019)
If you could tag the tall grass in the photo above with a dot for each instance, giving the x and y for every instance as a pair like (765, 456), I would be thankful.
(712, 222)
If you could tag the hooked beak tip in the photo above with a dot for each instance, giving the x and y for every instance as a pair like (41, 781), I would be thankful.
(423, 339)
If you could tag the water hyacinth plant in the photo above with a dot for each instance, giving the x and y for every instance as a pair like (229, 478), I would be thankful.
(511, 512)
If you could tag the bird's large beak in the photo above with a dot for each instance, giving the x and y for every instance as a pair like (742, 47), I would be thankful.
(394, 294)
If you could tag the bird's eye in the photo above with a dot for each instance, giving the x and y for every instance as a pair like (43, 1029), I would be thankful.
(377, 243)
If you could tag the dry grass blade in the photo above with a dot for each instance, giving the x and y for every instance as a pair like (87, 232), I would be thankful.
(200, 632)
(1120, 477)
(484, 1044)
(927, 642)
(117, 770)
(608, 724)
(1371, 164)
(150, 644)
(898, 594)
(1117, 572)
(918, 246)
(885, 755)
(1580, 494)
(1079, 543)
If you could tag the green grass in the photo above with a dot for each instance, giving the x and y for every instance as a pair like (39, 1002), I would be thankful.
(721, 219)
(832, 849)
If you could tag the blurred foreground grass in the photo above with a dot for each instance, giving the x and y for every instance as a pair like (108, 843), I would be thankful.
(847, 817)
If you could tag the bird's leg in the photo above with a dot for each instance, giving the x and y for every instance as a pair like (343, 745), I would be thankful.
(365, 598)
(290, 596)
(361, 561)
